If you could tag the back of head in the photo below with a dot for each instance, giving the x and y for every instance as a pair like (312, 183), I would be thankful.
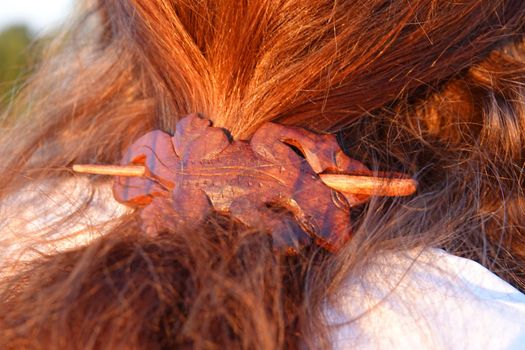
(432, 88)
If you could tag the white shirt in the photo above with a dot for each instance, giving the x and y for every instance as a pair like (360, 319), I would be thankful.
(431, 300)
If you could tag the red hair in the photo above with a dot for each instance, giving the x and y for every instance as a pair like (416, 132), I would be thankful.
(432, 87)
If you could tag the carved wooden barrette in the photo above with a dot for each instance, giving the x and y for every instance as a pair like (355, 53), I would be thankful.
(180, 179)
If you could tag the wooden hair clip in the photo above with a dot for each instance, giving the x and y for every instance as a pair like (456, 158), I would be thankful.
(199, 169)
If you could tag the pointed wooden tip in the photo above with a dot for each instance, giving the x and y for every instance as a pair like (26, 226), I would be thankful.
(113, 170)
(369, 185)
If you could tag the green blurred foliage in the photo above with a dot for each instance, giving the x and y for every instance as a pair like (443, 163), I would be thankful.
(16, 56)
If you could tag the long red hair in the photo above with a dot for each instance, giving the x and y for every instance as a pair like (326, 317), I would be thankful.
(428, 87)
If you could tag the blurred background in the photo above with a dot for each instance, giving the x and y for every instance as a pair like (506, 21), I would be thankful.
(25, 26)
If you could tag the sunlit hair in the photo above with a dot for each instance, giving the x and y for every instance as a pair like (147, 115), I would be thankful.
(427, 87)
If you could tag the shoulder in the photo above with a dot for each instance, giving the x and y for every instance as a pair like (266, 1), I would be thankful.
(51, 216)
(430, 300)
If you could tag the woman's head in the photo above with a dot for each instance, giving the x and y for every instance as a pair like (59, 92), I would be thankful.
(430, 88)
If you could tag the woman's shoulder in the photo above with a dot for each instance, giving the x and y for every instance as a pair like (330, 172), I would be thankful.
(427, 299)
(53, 216)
